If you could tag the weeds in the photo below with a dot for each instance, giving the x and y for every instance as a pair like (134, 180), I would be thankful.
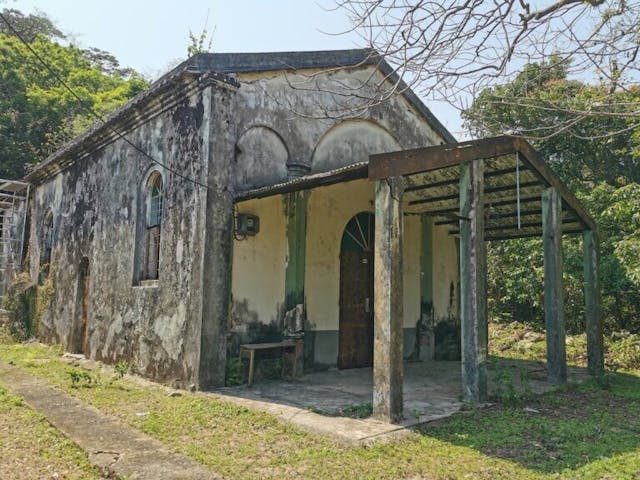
(81, 378)
(121, 368)
(361, 410)
(234, 372)
(506, 391)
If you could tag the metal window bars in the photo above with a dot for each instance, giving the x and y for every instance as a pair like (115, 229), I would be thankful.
(14, 197)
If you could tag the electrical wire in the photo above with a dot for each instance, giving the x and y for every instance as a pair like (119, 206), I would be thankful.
(91, 111)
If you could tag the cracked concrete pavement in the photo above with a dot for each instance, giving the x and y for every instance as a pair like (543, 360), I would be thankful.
(110, 444)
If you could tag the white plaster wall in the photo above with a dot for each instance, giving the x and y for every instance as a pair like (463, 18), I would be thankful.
(329, 210)
(445, 272)
(259, 262)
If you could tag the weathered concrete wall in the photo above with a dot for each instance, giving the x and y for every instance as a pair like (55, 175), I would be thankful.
(219, 144)
(260, 149)
(446, 295)
(260, 262)
(276, 144)
(258, 140)
(330, 209)
(274, 100)
(156, 325)
(351, 141)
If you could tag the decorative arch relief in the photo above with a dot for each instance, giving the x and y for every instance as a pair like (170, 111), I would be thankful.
(351, 142)
(261, 158)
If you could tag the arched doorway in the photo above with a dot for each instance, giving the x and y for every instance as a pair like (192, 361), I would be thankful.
(355, 347)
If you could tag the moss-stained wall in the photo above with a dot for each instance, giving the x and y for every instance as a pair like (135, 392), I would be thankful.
(95, 203)
(236, 141)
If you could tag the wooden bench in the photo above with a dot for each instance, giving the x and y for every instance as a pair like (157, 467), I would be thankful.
(249, 350)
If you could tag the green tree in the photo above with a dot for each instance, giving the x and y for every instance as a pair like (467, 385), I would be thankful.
(29, 26)
(37, 113)
(598, 156)
(541, 104)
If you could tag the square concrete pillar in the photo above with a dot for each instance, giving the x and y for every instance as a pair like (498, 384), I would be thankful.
(593, 312)
(219, 151)
(387, 305)
(473, 276)
(553, 289)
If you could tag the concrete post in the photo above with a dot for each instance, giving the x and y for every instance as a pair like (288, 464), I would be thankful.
(553, 290)
(296, 205)
(473, 298)
(388, 298)
(218, 255)
(593, 313)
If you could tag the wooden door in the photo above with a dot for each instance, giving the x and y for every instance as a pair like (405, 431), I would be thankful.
(355, 348)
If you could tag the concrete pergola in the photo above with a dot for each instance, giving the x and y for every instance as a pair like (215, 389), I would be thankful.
(490, 189)
(486, 190)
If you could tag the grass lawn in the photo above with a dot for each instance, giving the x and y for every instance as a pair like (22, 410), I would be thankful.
(30, 448)
(588, 431)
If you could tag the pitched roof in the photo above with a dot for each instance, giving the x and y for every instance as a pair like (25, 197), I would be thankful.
(228, 63)
(220, 67)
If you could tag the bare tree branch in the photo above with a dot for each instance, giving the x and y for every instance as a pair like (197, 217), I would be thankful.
(453, 49)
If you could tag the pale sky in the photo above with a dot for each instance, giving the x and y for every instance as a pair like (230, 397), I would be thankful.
(152, 36)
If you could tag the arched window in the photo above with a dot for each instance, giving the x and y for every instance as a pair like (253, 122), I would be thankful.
(153, 223)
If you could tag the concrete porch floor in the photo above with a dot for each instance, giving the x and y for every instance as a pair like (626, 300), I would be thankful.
(432, 390)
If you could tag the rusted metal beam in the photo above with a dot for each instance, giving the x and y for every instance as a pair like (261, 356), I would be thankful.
(515, 213)
(455, 181)
(538, 165)
(530, 234)
(494, 228)
(494, 216)
(501, 188)
(420, 160)
(523, 200)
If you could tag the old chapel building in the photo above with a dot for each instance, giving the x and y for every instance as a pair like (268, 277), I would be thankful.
(224, 197)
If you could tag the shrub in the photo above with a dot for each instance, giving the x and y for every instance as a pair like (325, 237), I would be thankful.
(20, 302)
(623, 351)
(235, 372)
(81, 378)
